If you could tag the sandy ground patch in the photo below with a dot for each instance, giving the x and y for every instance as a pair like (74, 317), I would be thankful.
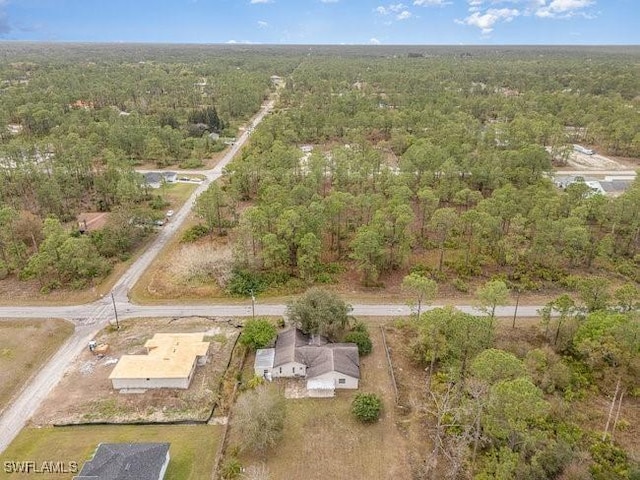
(85, 394)
(580, 161)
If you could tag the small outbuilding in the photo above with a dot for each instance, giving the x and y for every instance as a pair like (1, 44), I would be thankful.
(170, 362)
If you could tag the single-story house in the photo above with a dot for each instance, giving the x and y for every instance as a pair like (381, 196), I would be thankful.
(170, 362)
(127, 461)
(156, 179)
(610, 185)
(325, 366)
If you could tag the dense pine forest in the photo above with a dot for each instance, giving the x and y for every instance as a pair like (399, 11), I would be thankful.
(76, 120)
(429, 164)
(439, 162)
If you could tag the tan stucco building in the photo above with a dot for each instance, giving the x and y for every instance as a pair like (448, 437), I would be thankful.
(170, 362)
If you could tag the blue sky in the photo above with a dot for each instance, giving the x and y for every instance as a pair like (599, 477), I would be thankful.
(324, 21)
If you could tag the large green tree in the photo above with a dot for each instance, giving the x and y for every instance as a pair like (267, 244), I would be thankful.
(321, 312)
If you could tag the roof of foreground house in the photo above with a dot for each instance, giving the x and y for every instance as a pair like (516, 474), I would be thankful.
(125, 461)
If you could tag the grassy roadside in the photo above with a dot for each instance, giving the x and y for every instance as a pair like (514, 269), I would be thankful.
(25, 345)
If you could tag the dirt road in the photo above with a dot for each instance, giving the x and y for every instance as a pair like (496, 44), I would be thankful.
(89, 319)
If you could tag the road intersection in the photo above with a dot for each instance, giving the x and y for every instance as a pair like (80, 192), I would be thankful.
(90, 318)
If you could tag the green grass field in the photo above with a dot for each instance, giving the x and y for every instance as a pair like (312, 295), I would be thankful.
(193, 447)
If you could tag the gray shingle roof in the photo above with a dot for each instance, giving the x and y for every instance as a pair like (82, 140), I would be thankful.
(338, 357)
(293, 346)
(125, 461)
(286, 345)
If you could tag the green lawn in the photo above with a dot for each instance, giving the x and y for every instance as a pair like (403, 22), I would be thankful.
(193, 447)
(178, 193)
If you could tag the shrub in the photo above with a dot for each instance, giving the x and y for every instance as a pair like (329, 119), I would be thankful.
(191, 163)
(361, 339)
(259, 418)
(244, 282)
(366, 407)
(231, 469)
(257, 333)
(460, 285)
(194, 233)
(202, 263)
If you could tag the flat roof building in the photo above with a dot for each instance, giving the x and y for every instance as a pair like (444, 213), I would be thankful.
(170, 362)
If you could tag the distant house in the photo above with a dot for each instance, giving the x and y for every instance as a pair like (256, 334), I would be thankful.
(170, 362)
(564, 181)
(127, 461)
(325, 366)
(276, 80)
(156, 179)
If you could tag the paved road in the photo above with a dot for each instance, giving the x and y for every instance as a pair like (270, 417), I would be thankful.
(596, 172)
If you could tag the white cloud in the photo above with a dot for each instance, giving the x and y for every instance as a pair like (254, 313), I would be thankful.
(253, 2)
(403, 15)
(262, 24)
(391, 9)
(563, 8)
(328, 1)
(486, 21)
(431, 3)
(374, 41)
(485, 14)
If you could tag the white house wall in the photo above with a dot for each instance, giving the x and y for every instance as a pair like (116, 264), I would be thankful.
(291, 369)
(143, 383)
(349, 382)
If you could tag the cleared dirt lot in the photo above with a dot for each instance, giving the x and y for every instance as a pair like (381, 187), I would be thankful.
(85, 394)
(580, 161)
(25, 345)
(322, 440)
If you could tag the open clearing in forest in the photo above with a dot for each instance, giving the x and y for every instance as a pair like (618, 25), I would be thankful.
(581, 161)
(193, 448)
(25, 345)
(323, 440)
(85, 394)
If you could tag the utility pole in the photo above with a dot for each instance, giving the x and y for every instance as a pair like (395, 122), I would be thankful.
(253, 303)
(115, 311)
